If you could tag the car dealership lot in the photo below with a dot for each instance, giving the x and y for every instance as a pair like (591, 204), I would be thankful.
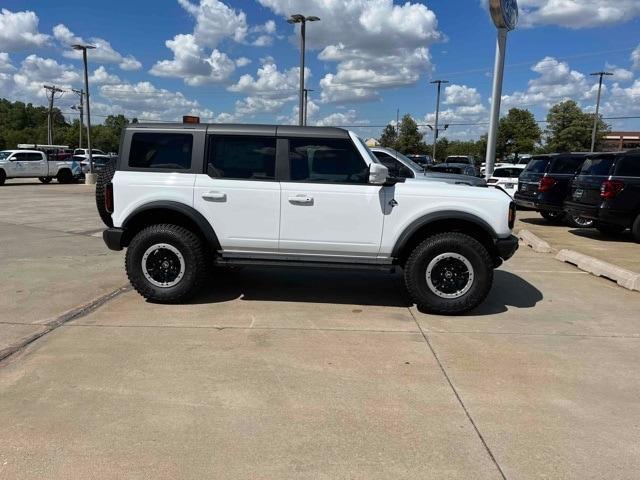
(303, 374)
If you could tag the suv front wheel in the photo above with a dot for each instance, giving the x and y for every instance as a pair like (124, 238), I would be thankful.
(449, 274)
(166, 263)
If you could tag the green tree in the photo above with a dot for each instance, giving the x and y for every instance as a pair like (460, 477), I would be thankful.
(518, 133)
(389, 136)
(569, 129)
(410, 138)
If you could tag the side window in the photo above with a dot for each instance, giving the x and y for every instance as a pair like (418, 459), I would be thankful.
(164, 151)
(20, 157)
(34, 157)
(566, 165)
(629, 166)
(326, 161)
(242, 157)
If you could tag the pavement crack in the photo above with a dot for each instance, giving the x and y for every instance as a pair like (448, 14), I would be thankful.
(459, 398)
(60, 320)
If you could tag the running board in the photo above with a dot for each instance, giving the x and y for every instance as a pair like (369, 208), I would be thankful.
(254, 262)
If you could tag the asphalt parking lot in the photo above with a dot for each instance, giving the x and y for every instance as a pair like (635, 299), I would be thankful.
(280, 373)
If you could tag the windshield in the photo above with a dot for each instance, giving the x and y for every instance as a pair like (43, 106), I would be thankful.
(598, 166)
(406, 160)
(4, 155)
(464, 160)
(537, 165)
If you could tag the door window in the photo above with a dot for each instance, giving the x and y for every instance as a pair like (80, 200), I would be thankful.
(629, 166)
(242, 157)
(326, 161)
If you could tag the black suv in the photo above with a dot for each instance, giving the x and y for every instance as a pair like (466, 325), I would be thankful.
(545, 184)
(607, 190)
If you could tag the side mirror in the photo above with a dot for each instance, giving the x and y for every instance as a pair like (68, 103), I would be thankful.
(378, 174)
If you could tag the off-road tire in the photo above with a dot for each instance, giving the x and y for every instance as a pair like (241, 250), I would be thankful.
(3, 177)
(635, 229)
(609, 229)
(102, 179)
(578, 222)
(45, 180)
(64, 176)
(553, 217)
(190, 247)
(415, 273)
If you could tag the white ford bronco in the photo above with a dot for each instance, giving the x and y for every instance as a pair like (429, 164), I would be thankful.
(186, 197)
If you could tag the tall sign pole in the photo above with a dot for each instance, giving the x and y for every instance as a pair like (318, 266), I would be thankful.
(505, 17)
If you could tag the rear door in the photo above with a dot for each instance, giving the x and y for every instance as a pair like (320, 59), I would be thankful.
(36, 164)
(238, 193)
(328, 207)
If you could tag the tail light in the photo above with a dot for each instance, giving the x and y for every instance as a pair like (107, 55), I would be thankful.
(610, 189)
(512, 214)
(546, 184)
(108, 197)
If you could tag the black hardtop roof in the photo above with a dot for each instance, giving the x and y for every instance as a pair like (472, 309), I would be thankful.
(248, 129)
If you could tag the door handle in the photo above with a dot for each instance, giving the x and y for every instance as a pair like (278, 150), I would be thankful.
(301, 199)
(215, 196)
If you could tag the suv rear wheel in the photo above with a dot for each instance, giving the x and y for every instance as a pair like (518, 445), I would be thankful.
(104, 177)
(448, 274)
(166, 263)
(635, 229)
(574, 221)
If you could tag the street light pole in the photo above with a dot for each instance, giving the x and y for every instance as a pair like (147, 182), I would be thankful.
(306, 103)
(90, 177)
(80, 109)
(595, 118)
(435, 130)
(301, 19)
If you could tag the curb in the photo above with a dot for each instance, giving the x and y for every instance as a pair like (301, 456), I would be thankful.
(537, 244)
(625, 278)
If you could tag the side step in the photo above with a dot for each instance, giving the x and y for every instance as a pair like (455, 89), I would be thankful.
(254, 262)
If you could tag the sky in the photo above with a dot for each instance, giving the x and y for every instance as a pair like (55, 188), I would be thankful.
(238, 60)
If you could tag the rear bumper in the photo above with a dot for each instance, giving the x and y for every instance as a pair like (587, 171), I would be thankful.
(524, 201)
(548, 207)
(506, 247)
(582, 210)
(624, 218)
(113, 238)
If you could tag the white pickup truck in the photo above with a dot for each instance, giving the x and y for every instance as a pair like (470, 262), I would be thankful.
(35, 164)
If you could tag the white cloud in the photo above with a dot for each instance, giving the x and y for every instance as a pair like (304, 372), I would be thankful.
(253, 105)
(102, 77)
(242, 61)
(635, 58)
(270, 82)
(190, 63)
(374, 43)
(461, 95)
(619, 74)
(577, 13)
(339, 118)
(19, 31)
(103, 53)
(5, 63)
(215, 21)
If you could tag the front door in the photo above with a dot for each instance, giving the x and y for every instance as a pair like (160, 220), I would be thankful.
(327, 205)
(239, 194)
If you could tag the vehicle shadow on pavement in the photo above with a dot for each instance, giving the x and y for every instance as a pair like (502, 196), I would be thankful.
(593, 234)
(509, 290)
(541, 221)
(310, 286)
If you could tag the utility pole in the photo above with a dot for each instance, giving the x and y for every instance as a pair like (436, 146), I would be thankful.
(306, 103)
(435, 130)
(595, 118)
(89, 178)
(80, 109)
(397, 123)
(301, 19)
(51, 95)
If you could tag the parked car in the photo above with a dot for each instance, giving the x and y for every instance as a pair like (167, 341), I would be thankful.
(545, 184)
(85, 151)
(422, 160)
(464, 160)
(99, 162)
(607, 191)
(186, 198)
(506, 178)
(35, 164)
(455, 168)
(401, 166)
(507, 162)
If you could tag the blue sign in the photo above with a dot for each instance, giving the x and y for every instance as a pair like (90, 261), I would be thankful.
(504, 13)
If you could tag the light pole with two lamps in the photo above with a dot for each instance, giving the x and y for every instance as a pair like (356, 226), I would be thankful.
(297, 18)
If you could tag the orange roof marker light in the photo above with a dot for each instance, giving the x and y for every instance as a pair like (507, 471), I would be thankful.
(190, 119)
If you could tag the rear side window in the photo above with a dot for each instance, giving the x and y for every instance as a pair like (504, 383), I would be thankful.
(464, 160)
(326, 161)
(164, 151)
(537, 165)
(629, 166)
(567, 165)
(242, 157)
(507, 172)
(598, 166)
